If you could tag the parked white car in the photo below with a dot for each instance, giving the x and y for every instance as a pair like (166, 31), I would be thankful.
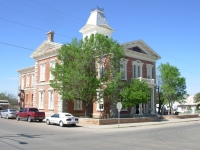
(62, 119)
(8, 113)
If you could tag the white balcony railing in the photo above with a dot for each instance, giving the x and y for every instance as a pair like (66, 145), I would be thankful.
(148, 81)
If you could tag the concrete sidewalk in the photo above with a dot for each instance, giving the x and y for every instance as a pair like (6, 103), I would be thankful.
(139, 124)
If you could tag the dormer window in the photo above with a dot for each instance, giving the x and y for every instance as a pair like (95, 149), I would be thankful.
(137, 49)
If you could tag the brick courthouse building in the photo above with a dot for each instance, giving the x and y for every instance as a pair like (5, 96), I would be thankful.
(34, 85)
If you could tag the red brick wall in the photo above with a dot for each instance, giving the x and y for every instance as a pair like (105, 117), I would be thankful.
(130, 67)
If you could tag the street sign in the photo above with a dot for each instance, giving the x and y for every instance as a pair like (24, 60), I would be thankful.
(119, 106)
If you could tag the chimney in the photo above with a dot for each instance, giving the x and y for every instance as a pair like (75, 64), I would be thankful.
(50, 35)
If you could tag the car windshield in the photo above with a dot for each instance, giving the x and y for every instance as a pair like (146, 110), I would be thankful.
(65, 115)
(13, 110)
(33, 110)
(68, 115)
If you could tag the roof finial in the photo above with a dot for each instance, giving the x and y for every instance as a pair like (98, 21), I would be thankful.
(98, 8)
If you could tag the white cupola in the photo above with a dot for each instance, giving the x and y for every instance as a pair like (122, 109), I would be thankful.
(97, 23)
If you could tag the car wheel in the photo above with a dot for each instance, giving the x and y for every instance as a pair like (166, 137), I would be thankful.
(48, 122)
(40, 120)
(17, 118)
(7, 117)
(29, 119)
(0, 116)
(61, 124)
(73, 125)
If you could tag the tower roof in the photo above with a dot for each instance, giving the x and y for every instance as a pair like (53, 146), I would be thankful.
(97, 19)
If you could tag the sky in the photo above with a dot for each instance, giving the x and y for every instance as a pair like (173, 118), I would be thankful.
(171, 28)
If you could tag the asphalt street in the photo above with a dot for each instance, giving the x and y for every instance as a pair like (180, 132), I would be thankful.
(22, 135)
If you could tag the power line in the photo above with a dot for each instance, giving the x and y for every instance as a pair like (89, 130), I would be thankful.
(193, 84)
(47, 11)
(33, 27)
(51, 22)
(58, 15)
(16, 46)
(179, 60)
(37, 17)
(56, 10)
(34, 50)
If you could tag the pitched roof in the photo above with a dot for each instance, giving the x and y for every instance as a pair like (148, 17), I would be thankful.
(146, 51)
(97, 18)
(45, 47)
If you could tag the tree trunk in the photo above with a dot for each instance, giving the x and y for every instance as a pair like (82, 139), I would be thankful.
(87, 106)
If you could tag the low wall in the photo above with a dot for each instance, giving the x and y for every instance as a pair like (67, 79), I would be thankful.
(114, 120)
(92, 121)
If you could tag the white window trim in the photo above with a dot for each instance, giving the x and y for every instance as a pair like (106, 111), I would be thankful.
(50, 107)
(75, 105)
(100, 101)
(41, 103)
(32, 81)
(52, 65)
(27, 80)
(149, 66)
(124, 63)
(137, 63)
(42, 71)
(22, 83)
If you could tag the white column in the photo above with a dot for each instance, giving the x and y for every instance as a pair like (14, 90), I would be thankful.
(140, 109)
(152, 103)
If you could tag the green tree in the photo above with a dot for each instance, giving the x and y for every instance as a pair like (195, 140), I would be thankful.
(76, 74)
(135, 92)
(173, 85)
(197, 98)
(12, 99)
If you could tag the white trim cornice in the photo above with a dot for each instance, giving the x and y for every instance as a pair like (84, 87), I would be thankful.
(141, 56)
(40, 84)
(26, 70)
(46, 55)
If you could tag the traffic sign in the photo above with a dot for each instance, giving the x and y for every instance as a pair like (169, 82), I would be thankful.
(119, 106)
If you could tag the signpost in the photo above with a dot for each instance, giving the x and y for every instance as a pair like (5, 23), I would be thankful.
(119, 107)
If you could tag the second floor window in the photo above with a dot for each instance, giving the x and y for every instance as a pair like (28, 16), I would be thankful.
(123, 68)
(27, 80)
(22, 82)
(52, 65)
(137, 69)
(42, 72)
(149, 71)
(32, 80)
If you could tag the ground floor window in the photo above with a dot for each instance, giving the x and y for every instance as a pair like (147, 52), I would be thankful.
(51, 100)
(100, 101)
(77, 105)
(41, 99)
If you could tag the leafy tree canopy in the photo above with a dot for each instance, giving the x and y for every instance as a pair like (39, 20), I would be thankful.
(78, 72)
(135, 92)
(173, 85)
(12, 99)
(197, 98)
